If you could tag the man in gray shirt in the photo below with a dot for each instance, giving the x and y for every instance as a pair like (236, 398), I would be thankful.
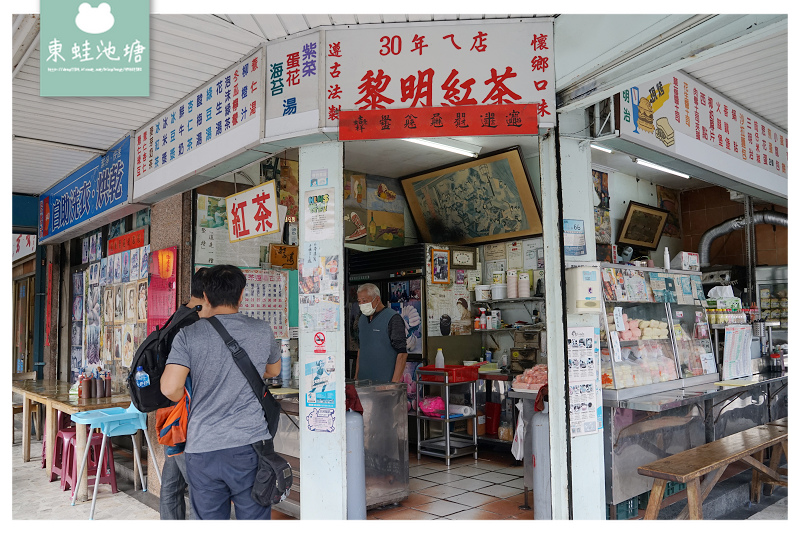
(225, 417)
(381, 338)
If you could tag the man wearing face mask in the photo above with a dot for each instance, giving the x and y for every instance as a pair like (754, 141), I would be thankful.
(382, 338)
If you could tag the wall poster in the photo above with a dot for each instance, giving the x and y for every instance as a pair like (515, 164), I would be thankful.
(585, 392)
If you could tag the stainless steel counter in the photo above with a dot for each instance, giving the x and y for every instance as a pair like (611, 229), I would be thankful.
(385, 442)
(650, 427)
(664, 401)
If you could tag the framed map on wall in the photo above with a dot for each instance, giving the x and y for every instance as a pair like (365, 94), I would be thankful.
(483, 200)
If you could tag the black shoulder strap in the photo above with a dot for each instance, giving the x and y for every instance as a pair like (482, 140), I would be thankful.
(242, 360)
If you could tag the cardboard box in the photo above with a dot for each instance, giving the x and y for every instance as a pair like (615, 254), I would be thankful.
(686, 261)
(481, 424)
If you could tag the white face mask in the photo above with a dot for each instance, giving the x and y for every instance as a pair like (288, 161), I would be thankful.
(367, 308)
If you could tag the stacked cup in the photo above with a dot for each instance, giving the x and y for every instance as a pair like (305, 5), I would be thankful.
(511, 280)
(524, 281)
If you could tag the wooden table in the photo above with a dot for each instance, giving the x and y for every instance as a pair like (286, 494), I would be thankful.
(54, 395)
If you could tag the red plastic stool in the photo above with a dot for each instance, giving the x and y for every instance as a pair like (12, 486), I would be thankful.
(108, 475)
(62, 422)
(60, 445)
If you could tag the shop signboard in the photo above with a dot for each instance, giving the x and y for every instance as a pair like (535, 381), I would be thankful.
(129, 241)
(217, 120)
(677, 115)
(22, 246)
(507, 119)
(253, 213)
(468, 63)
(93, 190)
(294, 70)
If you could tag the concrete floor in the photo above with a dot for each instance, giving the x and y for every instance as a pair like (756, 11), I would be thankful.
(777, 511)
(33, 498)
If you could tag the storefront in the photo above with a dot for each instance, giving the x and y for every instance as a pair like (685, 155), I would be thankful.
(23, 273)
(333, 194)
(295, 165)
(96, 300)
(695, 178)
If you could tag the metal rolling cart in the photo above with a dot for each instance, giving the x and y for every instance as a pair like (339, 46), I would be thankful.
(446, 446)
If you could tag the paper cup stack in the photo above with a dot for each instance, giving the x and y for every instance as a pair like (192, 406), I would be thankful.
(511, 280)
(524, 284)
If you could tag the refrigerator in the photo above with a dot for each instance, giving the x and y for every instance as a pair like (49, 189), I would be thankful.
(399, 273)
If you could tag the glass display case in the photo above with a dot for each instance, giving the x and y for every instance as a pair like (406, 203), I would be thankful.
(692, 340)
(655, 334)
(642, 352)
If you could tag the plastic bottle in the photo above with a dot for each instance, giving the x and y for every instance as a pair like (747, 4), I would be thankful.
(666, 258)
(142, 379)
(488, 356)
(477, 323)
(483, 318)
(439, 361)
(286, 362)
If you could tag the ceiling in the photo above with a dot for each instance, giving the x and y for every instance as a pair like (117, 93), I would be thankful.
(53, 136)
(395, 158)
(624, 163)
(766, 61)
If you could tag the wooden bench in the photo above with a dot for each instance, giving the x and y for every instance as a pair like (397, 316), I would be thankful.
(711, 460)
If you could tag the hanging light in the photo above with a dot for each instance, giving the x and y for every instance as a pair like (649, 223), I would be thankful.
(166, 263)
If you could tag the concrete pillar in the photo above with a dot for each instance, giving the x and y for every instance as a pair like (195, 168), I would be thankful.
(322, 432)
(588, 478)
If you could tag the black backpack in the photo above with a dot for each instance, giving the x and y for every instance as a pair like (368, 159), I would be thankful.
(152, 357)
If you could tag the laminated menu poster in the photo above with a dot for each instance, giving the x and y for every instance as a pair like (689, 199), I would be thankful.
(266, 297)
(585, 393)
(736, 355)
(212, 238)
(319, 301)
(664, 287)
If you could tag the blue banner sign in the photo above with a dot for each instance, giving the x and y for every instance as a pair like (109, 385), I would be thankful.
(95, 188)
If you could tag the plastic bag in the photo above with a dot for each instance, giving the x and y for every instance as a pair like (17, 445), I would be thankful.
(516, 445)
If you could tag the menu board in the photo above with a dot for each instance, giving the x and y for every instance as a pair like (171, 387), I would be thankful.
(212, 238)
(736, 356)
(266, 297)
(585, 393)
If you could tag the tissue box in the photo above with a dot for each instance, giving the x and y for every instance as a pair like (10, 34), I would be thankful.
(686, 261)
(724, 303)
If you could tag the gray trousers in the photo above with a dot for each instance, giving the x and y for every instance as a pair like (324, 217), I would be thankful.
(172, 504)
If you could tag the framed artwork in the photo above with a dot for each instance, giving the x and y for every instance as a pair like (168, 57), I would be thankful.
(130, 300)
(483, 200)
(119, 308)
(642, 226)
(440, 266)
(108, 304)
(141, 302)
(463, 257)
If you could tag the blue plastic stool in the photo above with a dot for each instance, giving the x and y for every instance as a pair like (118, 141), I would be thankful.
(114, 422)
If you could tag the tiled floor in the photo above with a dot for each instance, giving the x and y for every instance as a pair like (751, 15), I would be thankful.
(488, 488)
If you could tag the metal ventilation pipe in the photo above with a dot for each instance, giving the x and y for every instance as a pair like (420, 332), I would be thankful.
(734, 224)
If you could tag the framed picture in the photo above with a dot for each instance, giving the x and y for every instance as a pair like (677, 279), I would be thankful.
(130, 299)
(463, 257)
(440, 266)
(642, 226)
(483, 200)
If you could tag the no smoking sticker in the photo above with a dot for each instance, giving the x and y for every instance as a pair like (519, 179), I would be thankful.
(319, 342)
